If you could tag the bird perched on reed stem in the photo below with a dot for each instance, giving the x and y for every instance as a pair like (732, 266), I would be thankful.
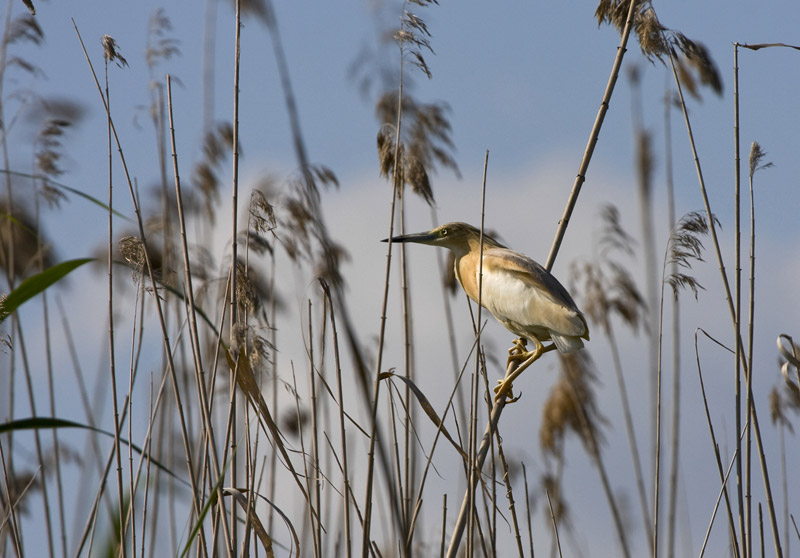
(519, 292)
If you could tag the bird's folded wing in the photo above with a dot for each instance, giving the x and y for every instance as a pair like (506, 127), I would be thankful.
(526, 293)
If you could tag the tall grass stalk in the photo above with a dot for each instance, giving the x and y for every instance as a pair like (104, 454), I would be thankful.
(580, 178)
(109, 49)
(676, 337)
(480, 457)
(346, 496)
(723, 477)
(159, 309)
(726, 285)
(722, 491)
(7, 249)
(409, 450)
(396, 186)
(475, 467)
(315, 456)
(15, 534)
(744, 505)
(555, 524)
(235, 321)
(203, 397)
(756, 164)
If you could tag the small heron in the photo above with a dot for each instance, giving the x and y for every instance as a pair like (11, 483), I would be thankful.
(521, 294)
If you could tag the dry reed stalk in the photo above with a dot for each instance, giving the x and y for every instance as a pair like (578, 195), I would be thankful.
(235, 322)
(744, 510)
(315, 460)
(110, 51)
(580, 178)
(480, 457)
(676, 344)
(555, 524)
(366, 528)
(528, 509)
(723, 477)
(342, 430)
(756, 163)
(203, 396)
(196, 499)
(15, 534)
(722, 491)
(745, 365)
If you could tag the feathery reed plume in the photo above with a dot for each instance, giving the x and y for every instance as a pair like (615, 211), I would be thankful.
(608, 289)
(160, 45)
(309, 240)
(414, 35)
(756, 159)
(790, 362)
(685, 244)
(425, 142)
(19, 237)
(111, 51)
(20, 485)
(24, 28)
(558, 506)
(217, 143)
(779, 402)
(262, 213)
(608, 286)
(252, 289)
(48, 147)
(571, 406)
(659, 42)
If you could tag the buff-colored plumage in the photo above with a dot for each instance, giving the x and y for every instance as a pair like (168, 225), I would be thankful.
(526, 298)
(523, 296)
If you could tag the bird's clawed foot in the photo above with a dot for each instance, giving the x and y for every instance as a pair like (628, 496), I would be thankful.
(518, 354)
(504, 389)
(519, 349)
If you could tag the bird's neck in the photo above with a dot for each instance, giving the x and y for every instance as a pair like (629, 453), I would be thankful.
(467, 265)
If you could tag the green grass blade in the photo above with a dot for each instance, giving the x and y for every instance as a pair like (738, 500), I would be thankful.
(38, 423)
(35, 284)
(61, 186)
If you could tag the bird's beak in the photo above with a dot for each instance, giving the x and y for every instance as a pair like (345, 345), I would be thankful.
(419, 238)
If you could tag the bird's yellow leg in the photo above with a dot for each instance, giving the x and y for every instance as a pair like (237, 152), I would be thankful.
(504, 386)
(518, 350)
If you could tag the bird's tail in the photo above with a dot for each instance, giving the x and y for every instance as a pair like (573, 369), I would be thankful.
(566, 343)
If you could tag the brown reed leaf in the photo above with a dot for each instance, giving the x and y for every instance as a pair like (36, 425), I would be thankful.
(428, 409)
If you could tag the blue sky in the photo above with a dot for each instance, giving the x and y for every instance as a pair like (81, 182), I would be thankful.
(523, 80)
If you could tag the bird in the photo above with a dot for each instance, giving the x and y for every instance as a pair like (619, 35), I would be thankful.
(520, 293)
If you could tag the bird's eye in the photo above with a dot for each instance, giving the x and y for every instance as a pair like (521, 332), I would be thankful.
(444, 232)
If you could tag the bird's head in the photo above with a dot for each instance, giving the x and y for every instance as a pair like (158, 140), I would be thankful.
(458, 237)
